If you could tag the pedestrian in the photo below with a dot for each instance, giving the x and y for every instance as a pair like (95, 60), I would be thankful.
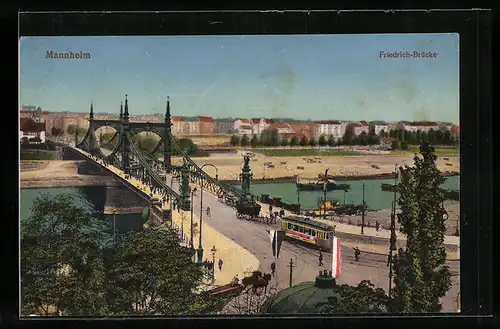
(270, 209)
(273, 268)
(334, 227)
(235, 280)
(320, 259)
(220, 264)
(388, 259)
(357, 252)
(377, 226)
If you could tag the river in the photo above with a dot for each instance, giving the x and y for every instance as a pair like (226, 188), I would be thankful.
(374, 197)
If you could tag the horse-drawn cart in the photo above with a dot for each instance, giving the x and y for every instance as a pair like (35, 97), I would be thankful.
(247, 210)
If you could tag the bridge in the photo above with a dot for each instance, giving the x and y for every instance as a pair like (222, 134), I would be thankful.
(132, 166)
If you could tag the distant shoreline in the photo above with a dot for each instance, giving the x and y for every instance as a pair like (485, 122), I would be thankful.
(293, 179)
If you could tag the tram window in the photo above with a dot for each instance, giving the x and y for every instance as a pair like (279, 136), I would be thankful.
(301, 229)
(313, 232)
(307, 231)
(290, 226)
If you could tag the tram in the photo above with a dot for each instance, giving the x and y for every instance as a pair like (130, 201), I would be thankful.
(306, 230)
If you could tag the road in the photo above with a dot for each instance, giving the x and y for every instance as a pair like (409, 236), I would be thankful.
(253, 237)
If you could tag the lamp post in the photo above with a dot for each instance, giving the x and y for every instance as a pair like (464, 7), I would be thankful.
(200, 246)
(114, 226)
(363, 211)
(191, 225)
(324, 200)
(213, 251)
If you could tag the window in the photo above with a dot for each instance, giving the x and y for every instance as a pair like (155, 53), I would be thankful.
(307, 231)
(290, 226)
(313, 232)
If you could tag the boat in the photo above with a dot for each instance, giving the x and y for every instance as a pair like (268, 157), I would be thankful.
(320, 184)
(306, 184)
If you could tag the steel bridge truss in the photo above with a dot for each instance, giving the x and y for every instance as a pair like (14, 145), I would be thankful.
(145, 165)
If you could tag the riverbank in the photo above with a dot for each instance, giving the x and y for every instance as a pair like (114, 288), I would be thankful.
(58, 173)
(366, 166)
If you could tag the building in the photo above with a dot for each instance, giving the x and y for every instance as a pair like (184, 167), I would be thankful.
(207, 125)
(328, 127)
(361, 127)
(264, 124)
(303, 130)
(282, 128)
(239, 122)
(379, 126)
(256, 126)
(245, 129)
(224, 126)
(455, 130)
(310, 297)
(418, 125)
(176, 125)
(30, 130)
(386, 143)
(190, 126)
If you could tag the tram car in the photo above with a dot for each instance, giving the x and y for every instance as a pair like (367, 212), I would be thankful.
(301, 228)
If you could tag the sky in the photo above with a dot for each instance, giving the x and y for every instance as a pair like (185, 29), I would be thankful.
(318, 77)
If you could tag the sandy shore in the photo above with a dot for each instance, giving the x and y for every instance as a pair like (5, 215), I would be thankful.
(229, 165)
(58, 173)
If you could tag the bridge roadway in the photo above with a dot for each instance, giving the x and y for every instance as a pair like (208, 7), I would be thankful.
(253, 237)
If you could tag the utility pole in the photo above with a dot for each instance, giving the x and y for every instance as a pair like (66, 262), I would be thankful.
(191, 227)
(392, 246)
(291, 270)
(363, 211)
(324, 199)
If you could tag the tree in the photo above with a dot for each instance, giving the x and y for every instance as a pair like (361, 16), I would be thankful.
(71, 129)
(187, 146)
(273, 137)
(265, 138)
(303, 141)
(154, 275)
(331, 140)
(284, 142)
(363, 298)
(403, 145)
(294, 141)
(322, 141)
(421, 274)
(363, 138)
(447, 138)
(382, 134)
(395, 144)
(254, 142)
(235, 140)
(244, 141)
(348, 138)
(312, 142)
(61, 268)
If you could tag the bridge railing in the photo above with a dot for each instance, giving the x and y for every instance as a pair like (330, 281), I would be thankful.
(151, 172)
(203, 174)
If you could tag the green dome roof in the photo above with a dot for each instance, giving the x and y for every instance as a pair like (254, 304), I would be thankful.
(304, 297)
(145, 213)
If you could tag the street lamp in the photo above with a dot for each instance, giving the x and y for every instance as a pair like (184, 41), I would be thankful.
(114, 226)
(191, 227)
(324, 199)
(213, 251)
(363, 211)
(200, 246)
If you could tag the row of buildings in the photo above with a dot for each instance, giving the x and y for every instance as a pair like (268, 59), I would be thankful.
(205, 125)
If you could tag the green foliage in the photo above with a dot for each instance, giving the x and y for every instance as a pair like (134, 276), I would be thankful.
(69, 267)
(235, 140)
(331, 140)
(361, 299)
(153, 275)
(269, 137)
(71, 129)
(254, 142)
(37, 154)
(348, 138)
(303, 152)
(244, 141)
(284, 142)
(303, 141)
(421, 276)
(62, 235)
(56, 131)
(322, 141)
(294, 141)
(312, 142)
